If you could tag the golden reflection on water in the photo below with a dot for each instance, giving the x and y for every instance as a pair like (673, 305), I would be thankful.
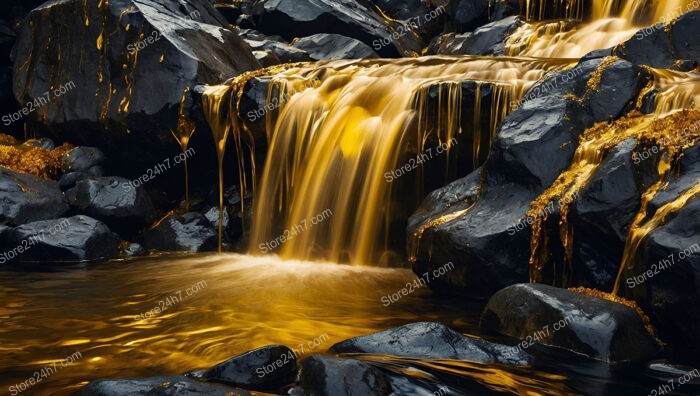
(247, 302)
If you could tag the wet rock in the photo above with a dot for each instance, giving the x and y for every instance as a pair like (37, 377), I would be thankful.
(155, 386)
(190, 232)
(68, 180)
(133, 250)
(429, 340)
(268, 368)
(77, 238)
(117, 99)
(514, 175)
(486, 40)
(350, 18)
(334, 46)
(325, 375)
(675, 44)
(267, 58)
(44, 143)
(283, 51)
(81, 159)
(122, 206)
(591, 326)
(25, 198)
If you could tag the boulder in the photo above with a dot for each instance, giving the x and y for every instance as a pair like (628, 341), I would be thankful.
(268, 368)
(114, 200)
(591, 326)
(350, 18)
(325, 375)
(81, 159)
(134, 250)
(429, 340)
(334, 46)
(72, 239)
(137, 60)
(26, 198)
(550, 122)
(283, 51)
(486, 40)
(190, 232)
(499, 9)
(156, 386)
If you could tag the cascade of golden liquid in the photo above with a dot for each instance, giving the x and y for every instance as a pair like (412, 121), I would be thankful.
(675, 90)
(611, 23)
(331, 145)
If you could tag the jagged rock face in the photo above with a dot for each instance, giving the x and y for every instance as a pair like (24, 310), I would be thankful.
(430, 340)
(26, 198)
(73, 239)
(591, 326)
(350, 18)
(514, 176)
(486, 40)
(334, 47)
(325, 375)
(124, 66)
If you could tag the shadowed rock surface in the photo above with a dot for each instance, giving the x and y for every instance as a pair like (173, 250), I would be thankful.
(156, 386)
(427, 340)
(325, 375)
(591, 326)
(486, 40)
(26, 198)
(190, 232)
(334, 46)
(267, 368)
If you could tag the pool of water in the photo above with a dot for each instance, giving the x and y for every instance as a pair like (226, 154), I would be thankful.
(173, 314)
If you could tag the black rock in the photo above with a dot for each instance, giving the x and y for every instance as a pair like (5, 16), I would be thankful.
(283, 51)
(429, 340)
(133, 250)
(466, 15)
(486, 40)
(499, 9)
(408, 11)
(137, 58)
(675, 44)
(268, 368)
(598, 328)
(190, 232)
(68, 180)
(44, 143)
(26, 198)
(267, 58)
(350, 18)
(81, 159)
(114, 200)
(325, 375)
(334, 46)
(472, 237)
(72, 239)
(156, 386)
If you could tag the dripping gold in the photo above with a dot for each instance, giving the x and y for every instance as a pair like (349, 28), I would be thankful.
(543, 213)
(158, 169)
(414, 163)
(673, 138)
(296, 230)
(292, 355)
(33, 240)
(662, 264)
(408, 27)
(38, 102)
(417, 283)
(155, 36)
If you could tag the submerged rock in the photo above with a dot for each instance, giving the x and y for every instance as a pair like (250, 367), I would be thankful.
(137, 58)
(114, 200)
(325, 375)
(268, 368)
(429, 340)
(350, 18)
(334, 47)
(190, 232)
(598, 328)
(72, 239)
(26, 198)
(156, 386)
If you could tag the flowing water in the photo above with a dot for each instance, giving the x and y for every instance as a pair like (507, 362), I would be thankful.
(108, 314)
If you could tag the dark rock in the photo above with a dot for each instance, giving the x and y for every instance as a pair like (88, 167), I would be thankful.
(133, 250)
(124, 207)
(26, 198)
(325, 375)
(499, 9)
(675, 44)
(116, 99)
(514, 176)
(285, 52)
(81, 159)
(245, 21)
(267, 58)
(591, 326)
(268, 368)
(334, 46)
(96, 171)
(156, 386)
(486, 40)
(466, 15)
(45, 143)
(68, 180)
(429, 340)
(350, 18)
(77, 238)
(190, 232)
(415, 10)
